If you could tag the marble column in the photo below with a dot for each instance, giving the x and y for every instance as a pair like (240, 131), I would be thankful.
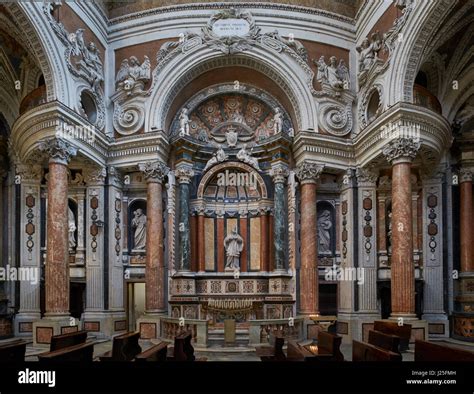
(264, 255)
(279, 174)
(154, 278)
(400, 153)
(30, 247)
(467, 238)
(201, 240)
(80, 250)
(57, 253)
(308, 174)
(184, 174)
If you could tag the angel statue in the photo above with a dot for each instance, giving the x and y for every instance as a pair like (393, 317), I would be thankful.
(244, 156)
(132, 76)
(218, 157)
(184, 122)
(336, 76)
(368, 51)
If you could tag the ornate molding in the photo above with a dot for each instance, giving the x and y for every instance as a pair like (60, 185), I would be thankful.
(465, 175)
(401, 148)
(184, 173)
(58, 150)
(95, 175)
(309, 172)
(279, 173)
(29, 172)
(366, 175)
(154, 171)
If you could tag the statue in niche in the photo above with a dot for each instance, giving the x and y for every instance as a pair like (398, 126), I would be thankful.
(368, 51)
(133, 74)
(389, 233)
(232, 137)
(71, 230)
(218, 157)
(184, 122)
(233, 245)
(139, 224)
(324, 232)
(244, 156)
(337, 76)
(277, 121)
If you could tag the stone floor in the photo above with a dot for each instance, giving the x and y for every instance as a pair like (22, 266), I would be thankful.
(218, 353)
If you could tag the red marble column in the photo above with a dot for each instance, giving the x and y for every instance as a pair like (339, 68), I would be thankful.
(270, 261)
(201, 243)
(220, 244)
(243, 234)
(154, 274)
(400, 153)
(467, 238)
(264, 241)
(194, 243)
(57, 252)
(308, 174)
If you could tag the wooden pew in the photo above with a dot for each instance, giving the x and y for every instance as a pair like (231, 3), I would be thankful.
(156, 353)
(65, 340)
(183, 349)
(78, 353)
(330, 343)
(272, 353)
(13, 351)
(429, 351)
(384, 341)
(125, 347)
(366, 352)
(392, 328)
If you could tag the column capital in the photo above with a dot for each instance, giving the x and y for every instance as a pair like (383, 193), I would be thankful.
(465, 175)
(401, 150)
(184, 173)
(154, 171)
(366, 175)
(279, 173)
(59, 150)
(95, 175)
(308, 172)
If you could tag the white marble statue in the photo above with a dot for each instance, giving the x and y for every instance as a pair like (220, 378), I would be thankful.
(139, 224)
(218, 157)
(244, 156)
(324, 232)
(232, 137)
(368, 51)
(277, 121)
(71, 229)
(233, 245)
(184, 122)
(132, 74)
(337, 76)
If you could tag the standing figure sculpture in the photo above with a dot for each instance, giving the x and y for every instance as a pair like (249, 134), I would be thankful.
(184, 122)
(71, 230)
(233, 245)
(139, 224)
(324, 232)
(277, 121)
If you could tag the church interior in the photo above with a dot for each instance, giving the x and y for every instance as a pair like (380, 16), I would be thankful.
(284, 180)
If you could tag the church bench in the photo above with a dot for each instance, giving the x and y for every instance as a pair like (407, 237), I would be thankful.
(429, 351)
(330, 343)
(366, 352)
(125, 347)
(392, 328)
(183, 349)
(82, 352)
(272, 353)
(13, 351)
(297, 352)
(65, 340)
(155, 353)
(384, 341)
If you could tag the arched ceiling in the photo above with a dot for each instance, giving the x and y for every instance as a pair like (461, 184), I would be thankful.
(118, 8)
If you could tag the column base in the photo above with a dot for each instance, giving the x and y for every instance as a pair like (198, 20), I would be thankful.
(45, 328)
(23, 323)
(149, 325)
(104, 324)
(355, 326)
(438, 325)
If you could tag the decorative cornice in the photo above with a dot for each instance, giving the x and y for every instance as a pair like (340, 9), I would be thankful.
(365, 175)
(58, 150)
(401, 148)
(309, 172)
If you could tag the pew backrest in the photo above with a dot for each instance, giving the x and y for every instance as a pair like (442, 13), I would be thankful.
(156, 353)
(331, 343)
(384, 341)
(66, 340)
(366, 352)
(78, 353)
(13, 351)
(392, 328)
(429, 351)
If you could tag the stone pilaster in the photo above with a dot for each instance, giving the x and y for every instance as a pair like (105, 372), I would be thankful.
(201, 246)
(308, 174)
(184, 174)
(433, 295)
(30, 247)
(279, 174)
(400, 153)
(467, 237)
(80, 249)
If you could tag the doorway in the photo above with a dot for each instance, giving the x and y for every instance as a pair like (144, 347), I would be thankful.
(135, 303)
